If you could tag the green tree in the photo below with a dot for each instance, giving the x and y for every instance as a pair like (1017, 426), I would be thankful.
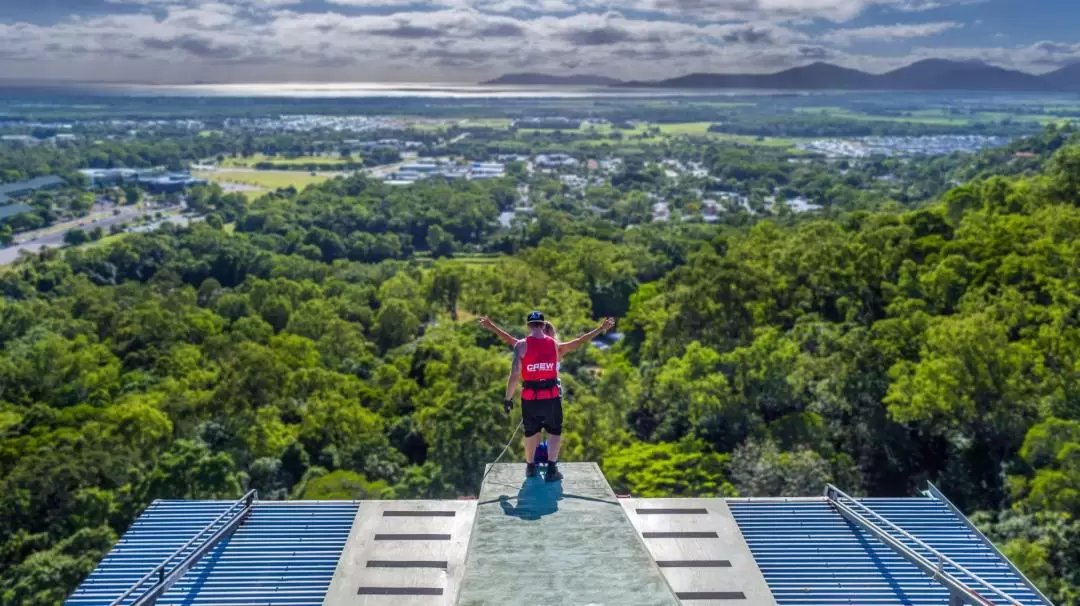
(683, 469)
(395, 325)
(131, 194)
(75, 237)
(343, 485)
(440, 242)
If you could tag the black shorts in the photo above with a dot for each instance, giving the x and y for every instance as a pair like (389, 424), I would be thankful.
(542, 414)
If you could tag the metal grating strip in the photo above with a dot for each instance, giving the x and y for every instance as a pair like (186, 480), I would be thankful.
(694, 563)
(443, 564)
(679, 535)
(400, 591)
(710, 595)
(672, 510)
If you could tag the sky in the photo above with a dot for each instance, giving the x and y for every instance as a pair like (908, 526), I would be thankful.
(464, 41)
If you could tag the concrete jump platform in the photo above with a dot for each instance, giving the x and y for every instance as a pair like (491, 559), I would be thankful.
(561, 543)
(701, 551)
(403, 553)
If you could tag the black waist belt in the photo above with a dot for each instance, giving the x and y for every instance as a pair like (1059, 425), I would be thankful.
(545, 384)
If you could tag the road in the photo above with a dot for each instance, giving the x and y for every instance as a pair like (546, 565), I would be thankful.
(101, 215)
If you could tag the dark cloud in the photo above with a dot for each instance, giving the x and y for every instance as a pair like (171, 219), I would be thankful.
(408, 31)
(814, 52)
(749, 35)
(1054, 48)
(739, 6)
(204, 48)
(660, 52)
(457, 58)
(597, 36)
(501, 30)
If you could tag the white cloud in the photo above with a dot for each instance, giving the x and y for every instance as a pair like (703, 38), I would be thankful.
(260, 40)
(1039, 57)
(837, 11)
(927, 5)
(886, 33)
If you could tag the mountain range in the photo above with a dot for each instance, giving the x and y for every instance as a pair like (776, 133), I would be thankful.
(548, 80)
(925, 75)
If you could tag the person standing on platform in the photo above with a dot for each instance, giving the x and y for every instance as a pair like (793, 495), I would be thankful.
(536, 367)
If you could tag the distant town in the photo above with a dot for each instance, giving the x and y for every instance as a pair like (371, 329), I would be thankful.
(707, 161)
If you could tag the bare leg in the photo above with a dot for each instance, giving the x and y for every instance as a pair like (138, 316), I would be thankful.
(531, 442)
(553, 447)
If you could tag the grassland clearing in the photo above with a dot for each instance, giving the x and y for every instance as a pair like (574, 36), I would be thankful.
(685, 128)
(485, 123)
(264, 179)
(250, 162)
(841, 112)
(754, 140)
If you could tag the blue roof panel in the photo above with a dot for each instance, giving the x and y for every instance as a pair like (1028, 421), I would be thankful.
(284, 553)
(160, 530)
(287, 553)
(810, 554)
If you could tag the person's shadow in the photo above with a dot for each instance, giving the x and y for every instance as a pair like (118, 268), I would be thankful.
(535, 499)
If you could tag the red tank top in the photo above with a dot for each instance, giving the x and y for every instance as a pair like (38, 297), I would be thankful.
(541, 363)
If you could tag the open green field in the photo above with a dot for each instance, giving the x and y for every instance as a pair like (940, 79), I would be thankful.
(602, 134)
(109, 239)
(430, 126)
(466, 259)
(1040, 118)
(841, 112)
(685, 128)
(250, 162)
(624, 145)
(485, 123)
(752, 140)
(265, 179)
(935, 116)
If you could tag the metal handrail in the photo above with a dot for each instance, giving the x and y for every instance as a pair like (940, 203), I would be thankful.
(937, 572)
(165, 581)
(935, 493)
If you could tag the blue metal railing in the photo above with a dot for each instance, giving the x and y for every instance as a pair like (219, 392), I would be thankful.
(958, 589)
(163, 577)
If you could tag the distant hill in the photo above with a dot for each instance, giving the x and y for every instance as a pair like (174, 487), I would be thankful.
(549, 80)
(815, 75)
(939, 74)
(1066, 78)
(928, 74)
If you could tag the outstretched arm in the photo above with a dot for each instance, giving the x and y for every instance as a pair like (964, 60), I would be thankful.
(569, 346)
(509, 339)
(515, 370)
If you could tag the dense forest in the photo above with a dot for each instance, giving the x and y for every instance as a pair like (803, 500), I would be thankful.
(323, 344)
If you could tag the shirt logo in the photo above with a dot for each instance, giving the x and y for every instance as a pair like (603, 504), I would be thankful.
(540, 367)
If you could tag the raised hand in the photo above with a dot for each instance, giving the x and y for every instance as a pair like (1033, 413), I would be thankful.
(485, 322)
(608, 324)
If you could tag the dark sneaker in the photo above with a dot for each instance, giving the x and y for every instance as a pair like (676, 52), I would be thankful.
(530, 470)
(552, 474)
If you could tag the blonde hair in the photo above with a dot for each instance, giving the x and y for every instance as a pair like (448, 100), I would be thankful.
(549, 330)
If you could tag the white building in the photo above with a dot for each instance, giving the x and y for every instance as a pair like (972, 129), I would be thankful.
(555, 160)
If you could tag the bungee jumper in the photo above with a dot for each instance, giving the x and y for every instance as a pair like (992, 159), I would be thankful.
(536, 365)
